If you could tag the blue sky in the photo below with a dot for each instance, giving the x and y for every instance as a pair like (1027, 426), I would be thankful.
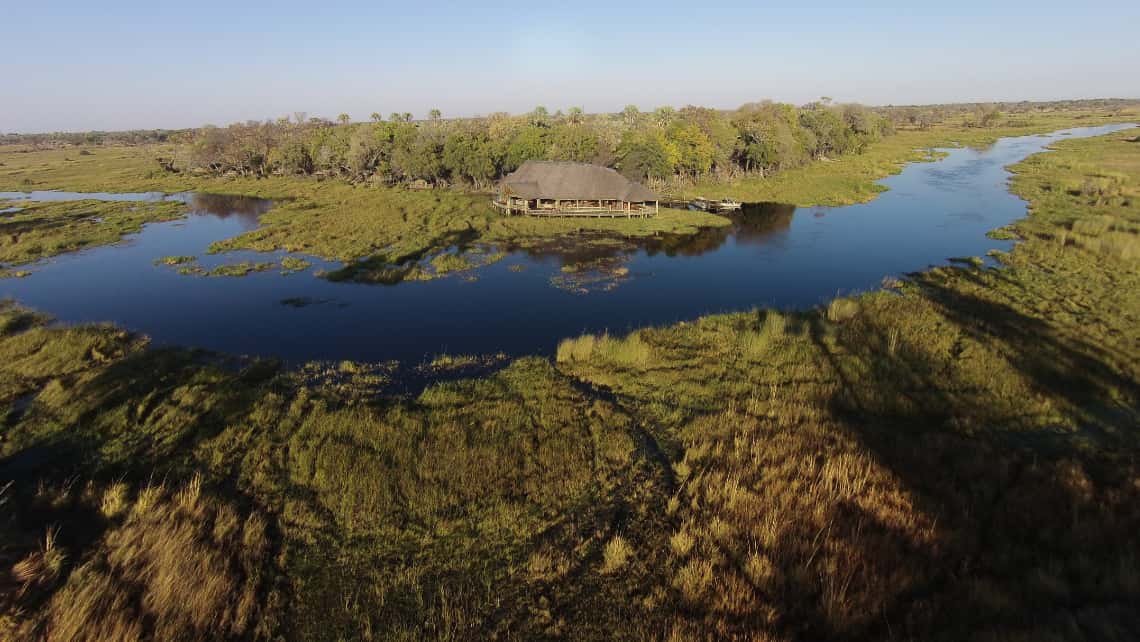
(127, 64)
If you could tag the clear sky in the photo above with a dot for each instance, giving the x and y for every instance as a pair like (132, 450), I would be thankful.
(116, 64)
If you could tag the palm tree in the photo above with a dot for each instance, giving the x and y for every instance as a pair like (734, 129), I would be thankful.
(539, 116)
(631, 113)
(376, 117)
(435, 114)
(343, 119)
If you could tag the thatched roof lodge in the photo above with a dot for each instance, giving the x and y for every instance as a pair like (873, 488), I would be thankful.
(562, 188)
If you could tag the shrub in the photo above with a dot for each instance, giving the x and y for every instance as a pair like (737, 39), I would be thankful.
(693, 580)
(617, 554)
(40, 569)
(115, 500)
(840, 310)
(681, 543)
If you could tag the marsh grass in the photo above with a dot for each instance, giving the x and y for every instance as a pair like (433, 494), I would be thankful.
(754, 343)
(175, 260)
(44, 230)
(840, 310)
(241, 269)
(628, 351)
(178, 565)
(954, 460)
(445, 263)
(602, 274)
(292, 264)
(41, 568)
(820, 484)
(458, 362)
(617, 554)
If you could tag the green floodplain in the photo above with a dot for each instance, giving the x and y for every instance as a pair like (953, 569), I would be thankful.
(952, 458)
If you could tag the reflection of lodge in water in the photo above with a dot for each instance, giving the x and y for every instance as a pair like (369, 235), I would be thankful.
(755, 223)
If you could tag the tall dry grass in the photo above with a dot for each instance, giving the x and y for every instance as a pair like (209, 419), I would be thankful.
(180, 565)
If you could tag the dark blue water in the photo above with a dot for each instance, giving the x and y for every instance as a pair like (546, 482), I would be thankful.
(773, 255)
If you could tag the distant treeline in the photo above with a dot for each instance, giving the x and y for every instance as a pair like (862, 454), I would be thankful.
(666, 143)
(63, 139)
(989, 114)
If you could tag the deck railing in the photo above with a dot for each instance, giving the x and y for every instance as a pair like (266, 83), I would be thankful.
(575, 210)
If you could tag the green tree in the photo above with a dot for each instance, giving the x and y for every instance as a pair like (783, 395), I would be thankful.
(694, 149)
(768, 137)
(646, 154)
(831, 135)
(469, 155)
(417, 153)
(716, 127)
(528, 143)
(573, 143)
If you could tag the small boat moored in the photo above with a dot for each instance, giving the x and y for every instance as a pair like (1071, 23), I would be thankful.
(703, 204)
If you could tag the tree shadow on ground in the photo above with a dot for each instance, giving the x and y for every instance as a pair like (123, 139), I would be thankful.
(1035, 525)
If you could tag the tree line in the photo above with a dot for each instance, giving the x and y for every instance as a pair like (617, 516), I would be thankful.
(92, 138)
(991, 114)
(658, 146)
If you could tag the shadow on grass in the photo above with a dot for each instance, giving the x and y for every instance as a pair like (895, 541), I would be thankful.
(1034, 524)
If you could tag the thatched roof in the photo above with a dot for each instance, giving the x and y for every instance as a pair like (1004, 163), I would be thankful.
(569, 181)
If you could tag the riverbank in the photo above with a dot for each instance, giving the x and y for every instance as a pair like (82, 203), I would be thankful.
(333, 220)
(951, 459)
(385, 234)
(852, 179)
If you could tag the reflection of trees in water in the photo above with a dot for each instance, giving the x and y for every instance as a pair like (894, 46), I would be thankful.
(224, 205)
(756, 223)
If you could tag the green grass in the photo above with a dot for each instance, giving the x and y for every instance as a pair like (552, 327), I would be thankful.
(458, 362)
(953, 459)
(240, 269)
(291, 264)
(175, 260)
(423, 511)
(44, 230)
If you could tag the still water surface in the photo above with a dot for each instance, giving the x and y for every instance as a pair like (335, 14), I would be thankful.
(772, 255)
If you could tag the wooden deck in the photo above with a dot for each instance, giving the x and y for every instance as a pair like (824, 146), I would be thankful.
(573, 211)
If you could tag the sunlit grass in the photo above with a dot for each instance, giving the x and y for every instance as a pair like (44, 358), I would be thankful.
(967, 437)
